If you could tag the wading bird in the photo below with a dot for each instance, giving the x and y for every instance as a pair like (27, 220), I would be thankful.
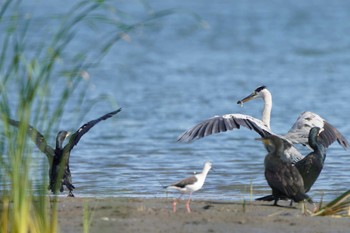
(311, 165)
(190, 185)
(58, 158)
(297, 134)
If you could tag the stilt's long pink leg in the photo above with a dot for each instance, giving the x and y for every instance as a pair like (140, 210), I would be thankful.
(174, 206)
(188, 204)
(175, 202)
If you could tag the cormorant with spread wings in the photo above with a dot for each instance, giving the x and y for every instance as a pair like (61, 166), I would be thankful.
(58, 158)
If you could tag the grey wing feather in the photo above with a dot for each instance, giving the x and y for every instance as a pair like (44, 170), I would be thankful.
(218, 124)
(330, 134)
(301, 128)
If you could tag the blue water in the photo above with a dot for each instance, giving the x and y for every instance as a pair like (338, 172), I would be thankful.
(177, 73)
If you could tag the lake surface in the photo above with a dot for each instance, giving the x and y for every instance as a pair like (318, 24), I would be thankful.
(176, 74)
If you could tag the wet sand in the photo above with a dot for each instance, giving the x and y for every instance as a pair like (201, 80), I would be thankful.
(156, 215)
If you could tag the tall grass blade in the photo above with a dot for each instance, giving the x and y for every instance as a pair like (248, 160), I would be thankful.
(37, 81)
(339, 206)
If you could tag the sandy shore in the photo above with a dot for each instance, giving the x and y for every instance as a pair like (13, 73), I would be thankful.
(156, 215)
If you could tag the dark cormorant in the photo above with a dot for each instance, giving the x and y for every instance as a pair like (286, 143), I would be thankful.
(59, 157)
(282, 176)
(311, 165)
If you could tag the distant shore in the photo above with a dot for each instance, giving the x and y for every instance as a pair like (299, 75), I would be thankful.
(156, 215)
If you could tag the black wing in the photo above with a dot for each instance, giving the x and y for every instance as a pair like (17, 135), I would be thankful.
(218, 124)
(183, 183)
(37, 138)
(74, 139)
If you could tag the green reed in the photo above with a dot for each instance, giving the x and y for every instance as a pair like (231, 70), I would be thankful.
(37, 81)
(339, 206)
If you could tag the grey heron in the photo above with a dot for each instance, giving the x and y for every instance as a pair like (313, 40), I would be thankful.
(58, 158)
(190, 185)
(298, 134)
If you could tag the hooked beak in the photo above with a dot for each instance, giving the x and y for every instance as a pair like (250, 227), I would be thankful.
(246, 99)
(321, 130)
(266, 141)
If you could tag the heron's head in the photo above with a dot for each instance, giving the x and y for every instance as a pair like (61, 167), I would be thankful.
(259, 92)
(61, 136)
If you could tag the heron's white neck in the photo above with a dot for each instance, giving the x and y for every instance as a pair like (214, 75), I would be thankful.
(266, 115)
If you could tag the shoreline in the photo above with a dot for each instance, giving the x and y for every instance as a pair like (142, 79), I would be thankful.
(125, 215)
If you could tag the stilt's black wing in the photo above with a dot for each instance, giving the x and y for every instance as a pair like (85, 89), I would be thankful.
(38, 139)
(74, 139)
(184, 182)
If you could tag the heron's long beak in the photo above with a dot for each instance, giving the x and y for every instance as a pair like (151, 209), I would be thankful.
(246, 99)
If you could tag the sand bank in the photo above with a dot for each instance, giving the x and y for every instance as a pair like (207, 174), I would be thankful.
(156, 215)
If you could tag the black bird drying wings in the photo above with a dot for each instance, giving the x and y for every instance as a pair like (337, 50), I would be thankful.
(58, 158)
